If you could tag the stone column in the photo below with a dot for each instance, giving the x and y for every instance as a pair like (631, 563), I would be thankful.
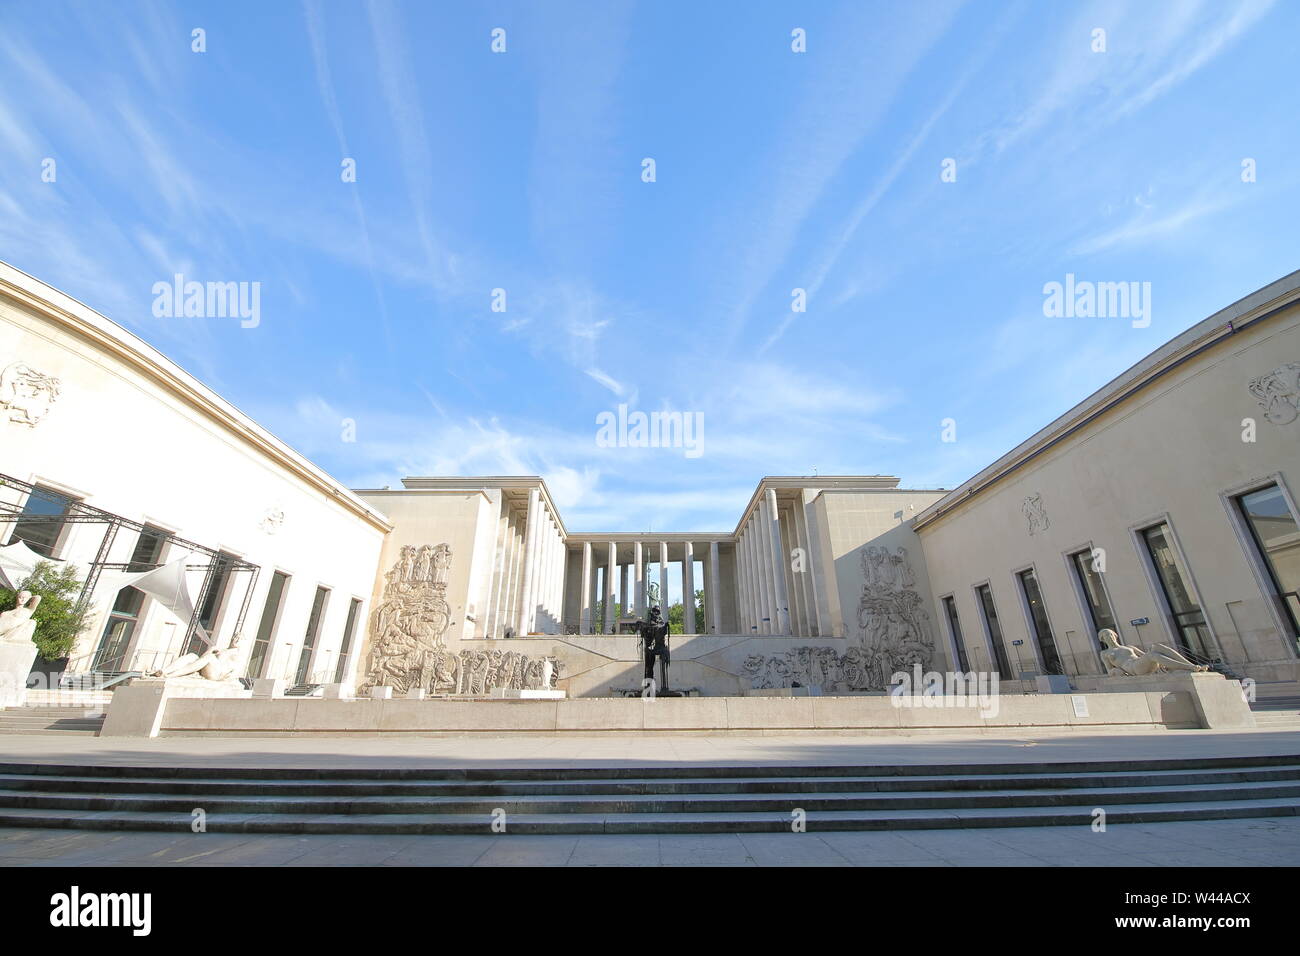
(798, 622)
(663, 578)
(610, 571)
(743, 619)
(810, 566)
(778, 565)
(714, 604)
(689, 624)
(756, 567)
(597, 590)
(763, 544)
(543, 574)
(526, 606)
(638, 560)
(584, 594)
(623, 576)
(557, 583)
(561, 585)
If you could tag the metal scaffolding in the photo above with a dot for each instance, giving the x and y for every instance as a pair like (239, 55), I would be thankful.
(77, 512)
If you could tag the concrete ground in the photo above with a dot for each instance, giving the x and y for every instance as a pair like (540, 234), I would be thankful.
(1215, 843)
(573, 750)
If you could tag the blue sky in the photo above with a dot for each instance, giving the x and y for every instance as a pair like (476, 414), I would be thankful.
(775, 170)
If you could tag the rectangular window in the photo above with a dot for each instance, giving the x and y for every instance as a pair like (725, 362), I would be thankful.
(110, 658)
(1039, 623)
(1100, 614)
(309, 639)
(1190, 629)
(42, 521)
(349, 630)
(994, 628)
(266, 626)
(954, 627)
(217, 584)
(1277, 541)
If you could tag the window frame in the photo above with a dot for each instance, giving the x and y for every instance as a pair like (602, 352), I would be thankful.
(988, 633)
(1031, 629)
(1258, 563)
(1081, 596)
(1137, 532)
(956, 644)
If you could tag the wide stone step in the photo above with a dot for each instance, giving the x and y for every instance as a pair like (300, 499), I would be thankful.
(310, 788)
(642, 772)
(580, 823)
(698, 803)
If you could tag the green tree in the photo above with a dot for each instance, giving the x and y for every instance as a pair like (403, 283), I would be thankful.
(58, 617)
(675, 615)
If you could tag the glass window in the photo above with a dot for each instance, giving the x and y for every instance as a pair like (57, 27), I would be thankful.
(1190, 629)
(954, 626)
(1039, 623)
(309, 639)
(125, 614)
(43, 520)
(265, 627)
(349, 630)
(1277, 538)
(1100, 614)
(214, 599)
(994, 627)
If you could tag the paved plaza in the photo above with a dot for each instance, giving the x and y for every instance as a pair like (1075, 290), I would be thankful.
(1215, 843)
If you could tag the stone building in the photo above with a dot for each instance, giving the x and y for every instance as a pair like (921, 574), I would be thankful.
(1160, 506)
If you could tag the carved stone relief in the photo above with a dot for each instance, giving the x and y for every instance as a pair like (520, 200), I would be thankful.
(26, 394)
(894, 634)
(1035, 513)
(1278, 393)
(408, 650)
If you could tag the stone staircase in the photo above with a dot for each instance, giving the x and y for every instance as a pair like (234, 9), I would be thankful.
(42, 719)
(659, 799)
(1277, 713)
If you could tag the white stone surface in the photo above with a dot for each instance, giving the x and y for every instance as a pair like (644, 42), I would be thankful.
(15, 665)
(268, 687)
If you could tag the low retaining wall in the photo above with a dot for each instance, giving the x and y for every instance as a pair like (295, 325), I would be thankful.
(865, 715)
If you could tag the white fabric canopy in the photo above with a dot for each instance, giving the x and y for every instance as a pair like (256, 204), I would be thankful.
(169, 586)
(17, 561)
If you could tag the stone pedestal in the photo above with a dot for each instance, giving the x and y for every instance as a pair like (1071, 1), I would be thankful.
(137, 709)
(415, 693)
(265, 688)
(1052, 684)
(16, 659)
(1220, 703)
(336, 692)
(381, 693)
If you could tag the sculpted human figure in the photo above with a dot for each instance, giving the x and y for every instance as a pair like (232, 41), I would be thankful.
(421, 571)
(217, 664)
(654, 634)
(1134, 662)
(16, 625)
(441, 563)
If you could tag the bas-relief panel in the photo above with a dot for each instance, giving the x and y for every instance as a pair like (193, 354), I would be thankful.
(408, 648)
(894, 633)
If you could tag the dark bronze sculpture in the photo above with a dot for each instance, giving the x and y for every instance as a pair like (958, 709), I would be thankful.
(654, 641)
